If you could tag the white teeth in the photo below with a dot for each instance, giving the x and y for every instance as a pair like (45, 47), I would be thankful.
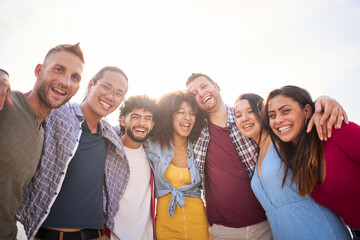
(282, 129)
(59, 91)
(186, 125)
(248, 126)
(104, 104)
(205, 99)
(139, 130)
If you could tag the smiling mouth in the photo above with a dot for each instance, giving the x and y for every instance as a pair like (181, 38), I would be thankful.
(58, 91)
(185, 126)
(105, 104)
(140, 130)
(248, 126)
(284, 129)
(206, 99)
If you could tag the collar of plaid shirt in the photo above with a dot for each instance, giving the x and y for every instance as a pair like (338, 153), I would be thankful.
(245, 147)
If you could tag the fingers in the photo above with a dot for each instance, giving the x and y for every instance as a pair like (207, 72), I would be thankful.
(315, 121)
(324, 132)
(310, 124)
(333, 119)
(326, 114)
(345, 118)
(318, 106)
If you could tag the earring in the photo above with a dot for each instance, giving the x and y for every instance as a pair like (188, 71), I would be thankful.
(306, 121)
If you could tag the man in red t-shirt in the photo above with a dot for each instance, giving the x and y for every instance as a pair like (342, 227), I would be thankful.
(232, 209)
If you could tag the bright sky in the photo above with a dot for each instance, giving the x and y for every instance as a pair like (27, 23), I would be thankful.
(245, 46)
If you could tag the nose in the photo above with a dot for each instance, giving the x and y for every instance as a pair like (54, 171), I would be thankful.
(110, 95)
(244, 117)
(66, 80)
(142, 121)
(201, 92)
(278, 118)
(187, 115)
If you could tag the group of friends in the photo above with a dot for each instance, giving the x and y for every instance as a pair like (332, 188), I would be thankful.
(183, 166)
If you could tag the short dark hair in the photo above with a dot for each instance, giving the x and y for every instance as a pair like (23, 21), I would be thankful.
(168, 104)
(2, 70)
(138, 101)
(75, 49)
(196, 75)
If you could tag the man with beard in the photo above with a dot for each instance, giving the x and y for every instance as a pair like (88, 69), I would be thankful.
(21, 130)
(134, 220)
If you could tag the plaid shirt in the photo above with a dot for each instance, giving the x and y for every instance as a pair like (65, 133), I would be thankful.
(62, 134)
(245, 147)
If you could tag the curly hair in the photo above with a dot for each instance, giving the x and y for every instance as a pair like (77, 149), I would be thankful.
(167, 105)
(138, 101)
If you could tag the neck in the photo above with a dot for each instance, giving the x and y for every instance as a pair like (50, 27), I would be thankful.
(264, 139)
(219, 115)
(129, 143)
(38, 106)
(91, 118)
(179, 142)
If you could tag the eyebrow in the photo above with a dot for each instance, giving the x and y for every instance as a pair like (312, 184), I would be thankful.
(286, 105)
(109, 84)
(139, 115)
(59, 65)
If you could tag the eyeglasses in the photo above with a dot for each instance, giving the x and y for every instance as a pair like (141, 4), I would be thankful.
(106, 89)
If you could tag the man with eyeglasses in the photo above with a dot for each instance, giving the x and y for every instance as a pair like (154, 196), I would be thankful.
(83, 171)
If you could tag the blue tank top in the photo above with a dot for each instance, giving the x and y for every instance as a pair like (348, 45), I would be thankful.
(291, 216)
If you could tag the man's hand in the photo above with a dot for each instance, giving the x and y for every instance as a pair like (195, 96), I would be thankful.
(5, 91)
(328, 112)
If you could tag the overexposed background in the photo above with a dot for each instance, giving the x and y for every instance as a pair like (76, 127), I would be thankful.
(245, 46)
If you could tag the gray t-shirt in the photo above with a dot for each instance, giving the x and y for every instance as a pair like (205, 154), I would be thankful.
(21, 143)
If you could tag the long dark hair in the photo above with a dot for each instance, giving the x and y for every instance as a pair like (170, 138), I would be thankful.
(167, 105)
(303, 158)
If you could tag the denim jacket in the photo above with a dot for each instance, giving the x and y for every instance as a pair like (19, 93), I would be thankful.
(160, 158)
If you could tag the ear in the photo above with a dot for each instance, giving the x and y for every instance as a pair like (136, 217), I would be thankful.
(90, 85)
(122, 121)
(38, 70)
(217, 86)
(307, 111)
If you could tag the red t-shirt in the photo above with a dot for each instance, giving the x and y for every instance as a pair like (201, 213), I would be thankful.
(340, 190)
(229, 199)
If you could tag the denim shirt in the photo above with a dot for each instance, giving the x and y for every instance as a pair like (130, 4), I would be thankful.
(160, 158)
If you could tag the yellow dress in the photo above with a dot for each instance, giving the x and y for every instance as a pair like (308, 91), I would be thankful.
(188, 222)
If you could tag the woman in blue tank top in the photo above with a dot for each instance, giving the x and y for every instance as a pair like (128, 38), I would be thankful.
(290, 216)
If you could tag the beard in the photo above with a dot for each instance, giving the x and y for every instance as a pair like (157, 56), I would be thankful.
(42, 93)
(134, 138)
